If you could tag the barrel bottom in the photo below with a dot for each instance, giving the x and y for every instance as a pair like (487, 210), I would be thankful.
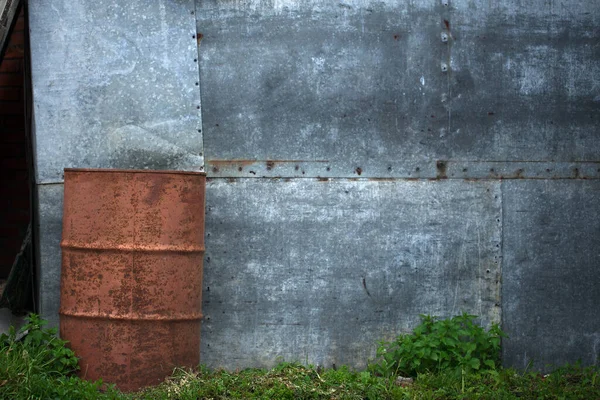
(131, 353)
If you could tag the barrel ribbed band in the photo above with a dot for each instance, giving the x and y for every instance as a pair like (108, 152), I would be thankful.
(133, 317)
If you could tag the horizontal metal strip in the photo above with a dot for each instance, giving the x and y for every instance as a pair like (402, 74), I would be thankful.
(403, 169)
(137, 249)
(133, 317)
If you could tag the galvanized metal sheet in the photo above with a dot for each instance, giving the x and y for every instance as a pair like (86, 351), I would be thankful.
(351, 84)
(115, 85)
(525, 80)
(550, 279)
(327, 89)
(49, 211)
(317, 272)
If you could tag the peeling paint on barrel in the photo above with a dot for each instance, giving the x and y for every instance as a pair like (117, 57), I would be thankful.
(132, 250)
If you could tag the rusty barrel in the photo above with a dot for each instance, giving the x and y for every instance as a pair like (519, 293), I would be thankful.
(131, 282)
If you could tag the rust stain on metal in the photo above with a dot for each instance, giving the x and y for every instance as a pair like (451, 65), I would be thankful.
(358, 170)
(199, 37)
(245, 162)
(519, 173)
(131, 282)
(440, 165)
(225, 163)
(387, 179)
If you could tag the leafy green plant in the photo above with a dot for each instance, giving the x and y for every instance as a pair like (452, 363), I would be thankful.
(36, 364)
(436, 345)
(40, 344)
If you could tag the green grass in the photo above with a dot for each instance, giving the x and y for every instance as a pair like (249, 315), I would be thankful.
(294, 381)
(40, 366)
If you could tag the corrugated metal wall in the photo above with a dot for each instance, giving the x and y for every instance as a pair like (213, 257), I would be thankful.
(368, 161)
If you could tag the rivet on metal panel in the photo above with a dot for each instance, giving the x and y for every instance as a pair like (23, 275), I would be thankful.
(444, 37)
(444, 67)
(445, 3)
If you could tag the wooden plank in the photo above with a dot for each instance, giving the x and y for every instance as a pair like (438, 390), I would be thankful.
(8, 14)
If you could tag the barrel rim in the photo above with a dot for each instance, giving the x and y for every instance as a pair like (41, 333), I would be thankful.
(135, 171)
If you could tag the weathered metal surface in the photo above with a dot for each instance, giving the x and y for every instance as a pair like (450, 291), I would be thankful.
(325, 90)
(47, 233)
(430, 169)
(550, 273)
(318, 272)
(131, 279)
(8, 11)
(359, 84)
(115, 86)
(525, 80)
(354, 82)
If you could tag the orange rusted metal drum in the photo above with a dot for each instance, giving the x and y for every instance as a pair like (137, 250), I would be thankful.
(131, 283)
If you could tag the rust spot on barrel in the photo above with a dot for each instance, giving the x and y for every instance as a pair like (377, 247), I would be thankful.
(131, 279)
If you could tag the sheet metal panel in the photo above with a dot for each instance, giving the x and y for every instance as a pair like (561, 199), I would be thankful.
(115, 86)
(525, 80)
(355, 84)
(48, 229)
(358, 86)
(319, 271)
(550, 273)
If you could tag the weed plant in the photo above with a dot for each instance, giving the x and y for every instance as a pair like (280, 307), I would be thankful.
(35, 364)
(436, 345)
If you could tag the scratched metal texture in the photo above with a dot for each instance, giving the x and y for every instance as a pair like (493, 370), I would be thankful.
(49, 210)
(355, 88)
(114, 86)
(351, 91)
(319, 271)
(550, 282)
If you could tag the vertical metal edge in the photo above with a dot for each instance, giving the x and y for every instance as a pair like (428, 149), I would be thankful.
(501, 267)
(200, 127)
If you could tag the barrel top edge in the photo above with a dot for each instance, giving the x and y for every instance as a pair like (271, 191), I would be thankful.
(134, 171)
